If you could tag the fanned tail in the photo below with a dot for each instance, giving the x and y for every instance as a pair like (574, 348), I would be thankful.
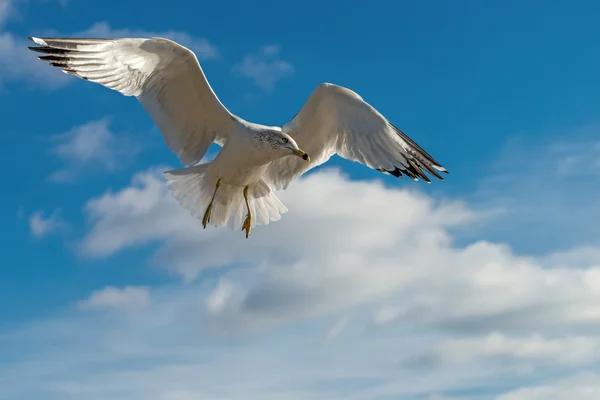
(194, 187)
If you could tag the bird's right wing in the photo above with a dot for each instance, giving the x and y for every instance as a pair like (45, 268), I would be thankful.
(336, 120)
(164, 76)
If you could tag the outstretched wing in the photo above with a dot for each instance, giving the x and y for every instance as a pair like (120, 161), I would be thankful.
(337, 120)
(164, 76)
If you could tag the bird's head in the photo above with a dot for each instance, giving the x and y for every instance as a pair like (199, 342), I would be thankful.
(280, 142)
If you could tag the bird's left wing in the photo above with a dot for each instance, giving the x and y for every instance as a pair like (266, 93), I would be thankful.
(337, 120)
(164, 76)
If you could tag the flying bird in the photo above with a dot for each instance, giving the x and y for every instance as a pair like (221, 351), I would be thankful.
(254, 160)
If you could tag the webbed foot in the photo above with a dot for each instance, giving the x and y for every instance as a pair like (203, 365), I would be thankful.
(247, 226)
(206, 218)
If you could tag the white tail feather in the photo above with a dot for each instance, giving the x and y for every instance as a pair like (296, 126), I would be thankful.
(193, 188)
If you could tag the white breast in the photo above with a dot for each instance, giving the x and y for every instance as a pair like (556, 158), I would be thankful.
(239, 162)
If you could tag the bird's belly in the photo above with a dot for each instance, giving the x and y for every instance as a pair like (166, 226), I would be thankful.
(244, 176)
(237, 174)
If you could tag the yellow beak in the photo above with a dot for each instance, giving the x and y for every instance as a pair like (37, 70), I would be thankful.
(302, 155)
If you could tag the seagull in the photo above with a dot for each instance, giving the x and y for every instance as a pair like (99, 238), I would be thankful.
(254, 159)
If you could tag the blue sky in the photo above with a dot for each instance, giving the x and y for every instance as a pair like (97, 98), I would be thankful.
(484, 286)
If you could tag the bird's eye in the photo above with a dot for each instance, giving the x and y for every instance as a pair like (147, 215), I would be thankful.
(284, 140)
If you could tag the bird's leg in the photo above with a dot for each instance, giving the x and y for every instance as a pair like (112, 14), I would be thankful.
(248, 221)
(206, 218)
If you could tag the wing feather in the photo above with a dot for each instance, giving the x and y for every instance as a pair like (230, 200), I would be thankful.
(163, 75)
(336, 120)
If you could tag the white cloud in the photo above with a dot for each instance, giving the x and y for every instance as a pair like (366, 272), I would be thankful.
(265, 68)
(383, 255)
(387, 314)
(219, 297)
(585, 386)
(41, 225)
(127, 298)
(91, 146)
(171, 349)
(569, 350)
(364, 252)
(442, 397)
(145, 212)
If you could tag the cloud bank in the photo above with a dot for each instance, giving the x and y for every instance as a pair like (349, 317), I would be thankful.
(360, 292)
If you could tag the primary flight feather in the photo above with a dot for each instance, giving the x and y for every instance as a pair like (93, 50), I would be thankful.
(254, 159)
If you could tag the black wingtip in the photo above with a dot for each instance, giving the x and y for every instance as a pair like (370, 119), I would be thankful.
(49, 50)
(411, 173)
(39, 49)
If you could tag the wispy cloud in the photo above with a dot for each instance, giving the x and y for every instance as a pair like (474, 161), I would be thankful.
(126, 298)
(19, 64)
(265, 68)
(583, 386)
(532, 348)
(91, 147)
(579, 159)
(42, 225)
(5, 10)
(543, 192)
(337, 328)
